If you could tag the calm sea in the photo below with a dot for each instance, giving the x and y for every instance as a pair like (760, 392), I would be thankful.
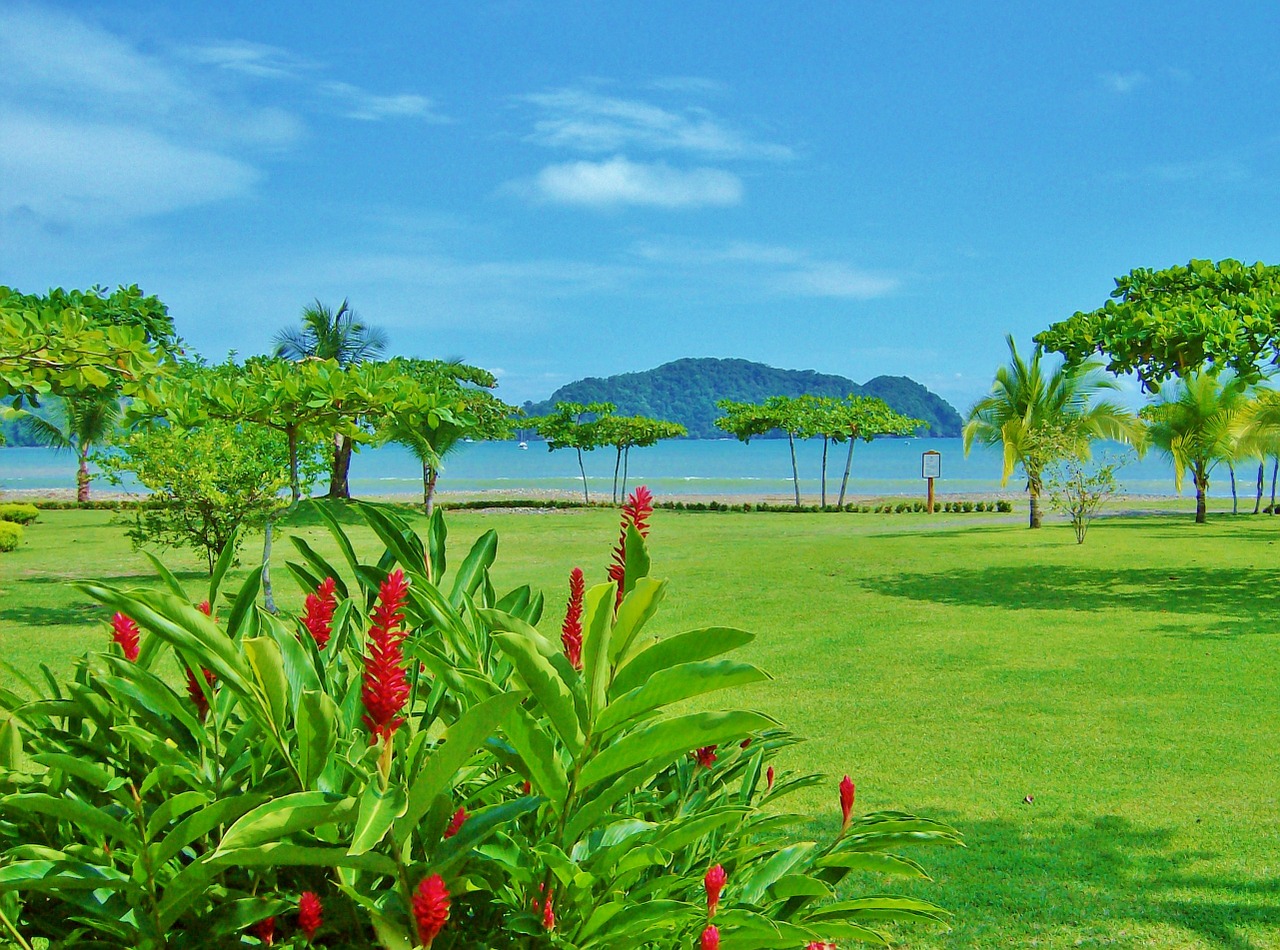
(704, 467)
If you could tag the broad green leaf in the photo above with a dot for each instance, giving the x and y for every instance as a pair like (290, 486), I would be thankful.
(636, 609)
(478, 560)
(674, 684)
(400, 541)
(669, 739)
(880, 908)
(504, 622)
(460, 742)
(477, 828)
(10, 743)
(166, 575)
(201, 823)
(390, 935)
(637, 559)
(225, 559)
(300, 811)
(538, 753)
(268, 667)
(317, 721)
(597, 622)
(682, 648)
(242, 606)
(81, 768)
(799, 885)
(555, 701)
(875, 862)
(82, 814)
(762, 877)
(378, 811)
(320, 566)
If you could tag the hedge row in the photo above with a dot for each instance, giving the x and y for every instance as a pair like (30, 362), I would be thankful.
(885, 508)
(19, 514)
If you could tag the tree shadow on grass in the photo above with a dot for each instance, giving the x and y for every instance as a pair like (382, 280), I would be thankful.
(1084, 880)
(142, 578)
(63, 615)
(1244, 594)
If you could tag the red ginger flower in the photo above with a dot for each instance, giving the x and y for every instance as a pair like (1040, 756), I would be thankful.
(317, 614)
(711, 939)
(636, 513)
(309, 910)
(265, 930)
(768, 779)
(846, 801)
(197, 695)
(205, 608)
(571, 629)
(456, 822)
(548, 915)
(714, 884)
(706, 756)
(820, 945)
(386, 687)
(124, 631)
(430, 908)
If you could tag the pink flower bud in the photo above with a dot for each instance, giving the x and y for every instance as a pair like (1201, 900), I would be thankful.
(714, 884)
(846, 800)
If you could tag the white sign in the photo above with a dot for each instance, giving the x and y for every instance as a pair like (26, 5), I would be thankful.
(931, 465)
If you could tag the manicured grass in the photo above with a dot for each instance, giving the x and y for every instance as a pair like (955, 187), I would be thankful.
(952, 667)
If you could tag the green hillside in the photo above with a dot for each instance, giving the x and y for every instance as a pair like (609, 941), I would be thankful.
(686, 391)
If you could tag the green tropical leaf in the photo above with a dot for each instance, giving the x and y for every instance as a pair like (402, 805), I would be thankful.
(683, 648)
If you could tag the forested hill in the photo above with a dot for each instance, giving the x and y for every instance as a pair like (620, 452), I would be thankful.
(686, 391)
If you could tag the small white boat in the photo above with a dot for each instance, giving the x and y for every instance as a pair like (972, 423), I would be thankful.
(524, 445)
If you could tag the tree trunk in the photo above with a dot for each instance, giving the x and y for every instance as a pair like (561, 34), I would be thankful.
(617, 464)
(268, 599)
(429, 476)
(795, 471)
(823, 490)
(295, 490)
(848, 464)
(340, 475)
(1262, 485)
(82, 477)
(626, 464)
(1235, 501)
(1275, 470)
(1034, 487)
(1202, 488)
(583, 469)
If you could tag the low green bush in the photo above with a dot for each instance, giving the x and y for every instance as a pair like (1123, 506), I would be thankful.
(10, 535)
(19, 514)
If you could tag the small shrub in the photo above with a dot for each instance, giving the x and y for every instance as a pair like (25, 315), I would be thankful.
(19, 514)
(968, 507)
(10, 535)
(1004, 506)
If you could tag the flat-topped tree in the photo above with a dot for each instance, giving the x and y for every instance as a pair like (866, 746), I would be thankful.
(625, 433)
(1163, 323)
(792, 415)
(573, 425)
(865, 418)
(474, 413)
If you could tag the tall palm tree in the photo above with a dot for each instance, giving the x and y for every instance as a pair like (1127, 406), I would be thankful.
(1037, 415)
(88, 420)
(340, 336)
(1196, 423)
(1258, 436)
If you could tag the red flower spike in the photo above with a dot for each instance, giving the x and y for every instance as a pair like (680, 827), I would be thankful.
(125, 632)
(706, 756)
(745, 743)
(846, 801)
(265, 930)
(317, 614)
(548, 915)
(205, 608)
(636, 513)
(820, 945)
(527, 787)
(571, 629)
(768, 779)
(711, 939)
(430, 908)
(197, 695)
(386, 687)
(714, 884)
(309, 913)
(456, 822)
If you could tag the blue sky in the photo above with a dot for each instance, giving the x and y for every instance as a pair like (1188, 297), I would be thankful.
(555, 190)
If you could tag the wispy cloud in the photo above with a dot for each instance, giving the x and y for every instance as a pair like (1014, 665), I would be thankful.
(585, 121)
(693, 85)
(357, 103)
(250, 59)
(777, 269)
(619, 182)
(1123, 83)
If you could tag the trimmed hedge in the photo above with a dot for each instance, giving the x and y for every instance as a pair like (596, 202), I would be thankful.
(884, 508)
(19, 514)
(10, 535)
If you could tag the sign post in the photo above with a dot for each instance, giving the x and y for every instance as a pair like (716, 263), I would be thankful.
(931, 468)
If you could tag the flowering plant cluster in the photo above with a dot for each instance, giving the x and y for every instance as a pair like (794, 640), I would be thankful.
(411, 763)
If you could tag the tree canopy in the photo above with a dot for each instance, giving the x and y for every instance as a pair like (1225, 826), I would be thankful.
(1171, 322)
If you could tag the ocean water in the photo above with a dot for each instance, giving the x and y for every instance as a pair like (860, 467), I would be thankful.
(721, 468)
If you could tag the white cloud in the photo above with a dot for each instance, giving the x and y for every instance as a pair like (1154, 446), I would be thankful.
(585, 121)
(834, 279)
(695, 85)
(251, 59)
(619, 181)
(1123, 83)
(357, 103)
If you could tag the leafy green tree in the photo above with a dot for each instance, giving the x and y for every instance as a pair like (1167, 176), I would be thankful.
(627, 432)
(88, 419)
(1079, 490)
(1195, 425)
(207, 484)
(791, 415)
(1037, 414)
(574, 425)
(863, 417)
(343, 337)
(1172, 322)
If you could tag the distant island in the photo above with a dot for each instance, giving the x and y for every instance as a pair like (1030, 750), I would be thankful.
(686, 391)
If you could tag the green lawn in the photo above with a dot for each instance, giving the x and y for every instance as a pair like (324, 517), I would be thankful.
(952, 666)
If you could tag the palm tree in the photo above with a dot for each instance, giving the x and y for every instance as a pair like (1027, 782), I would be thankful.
(1258, 436)
(87, 421)
(1195, 425)
(1038, 415)
(340, 336)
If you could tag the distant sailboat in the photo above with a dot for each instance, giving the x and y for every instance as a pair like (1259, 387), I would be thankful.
(524, 445)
